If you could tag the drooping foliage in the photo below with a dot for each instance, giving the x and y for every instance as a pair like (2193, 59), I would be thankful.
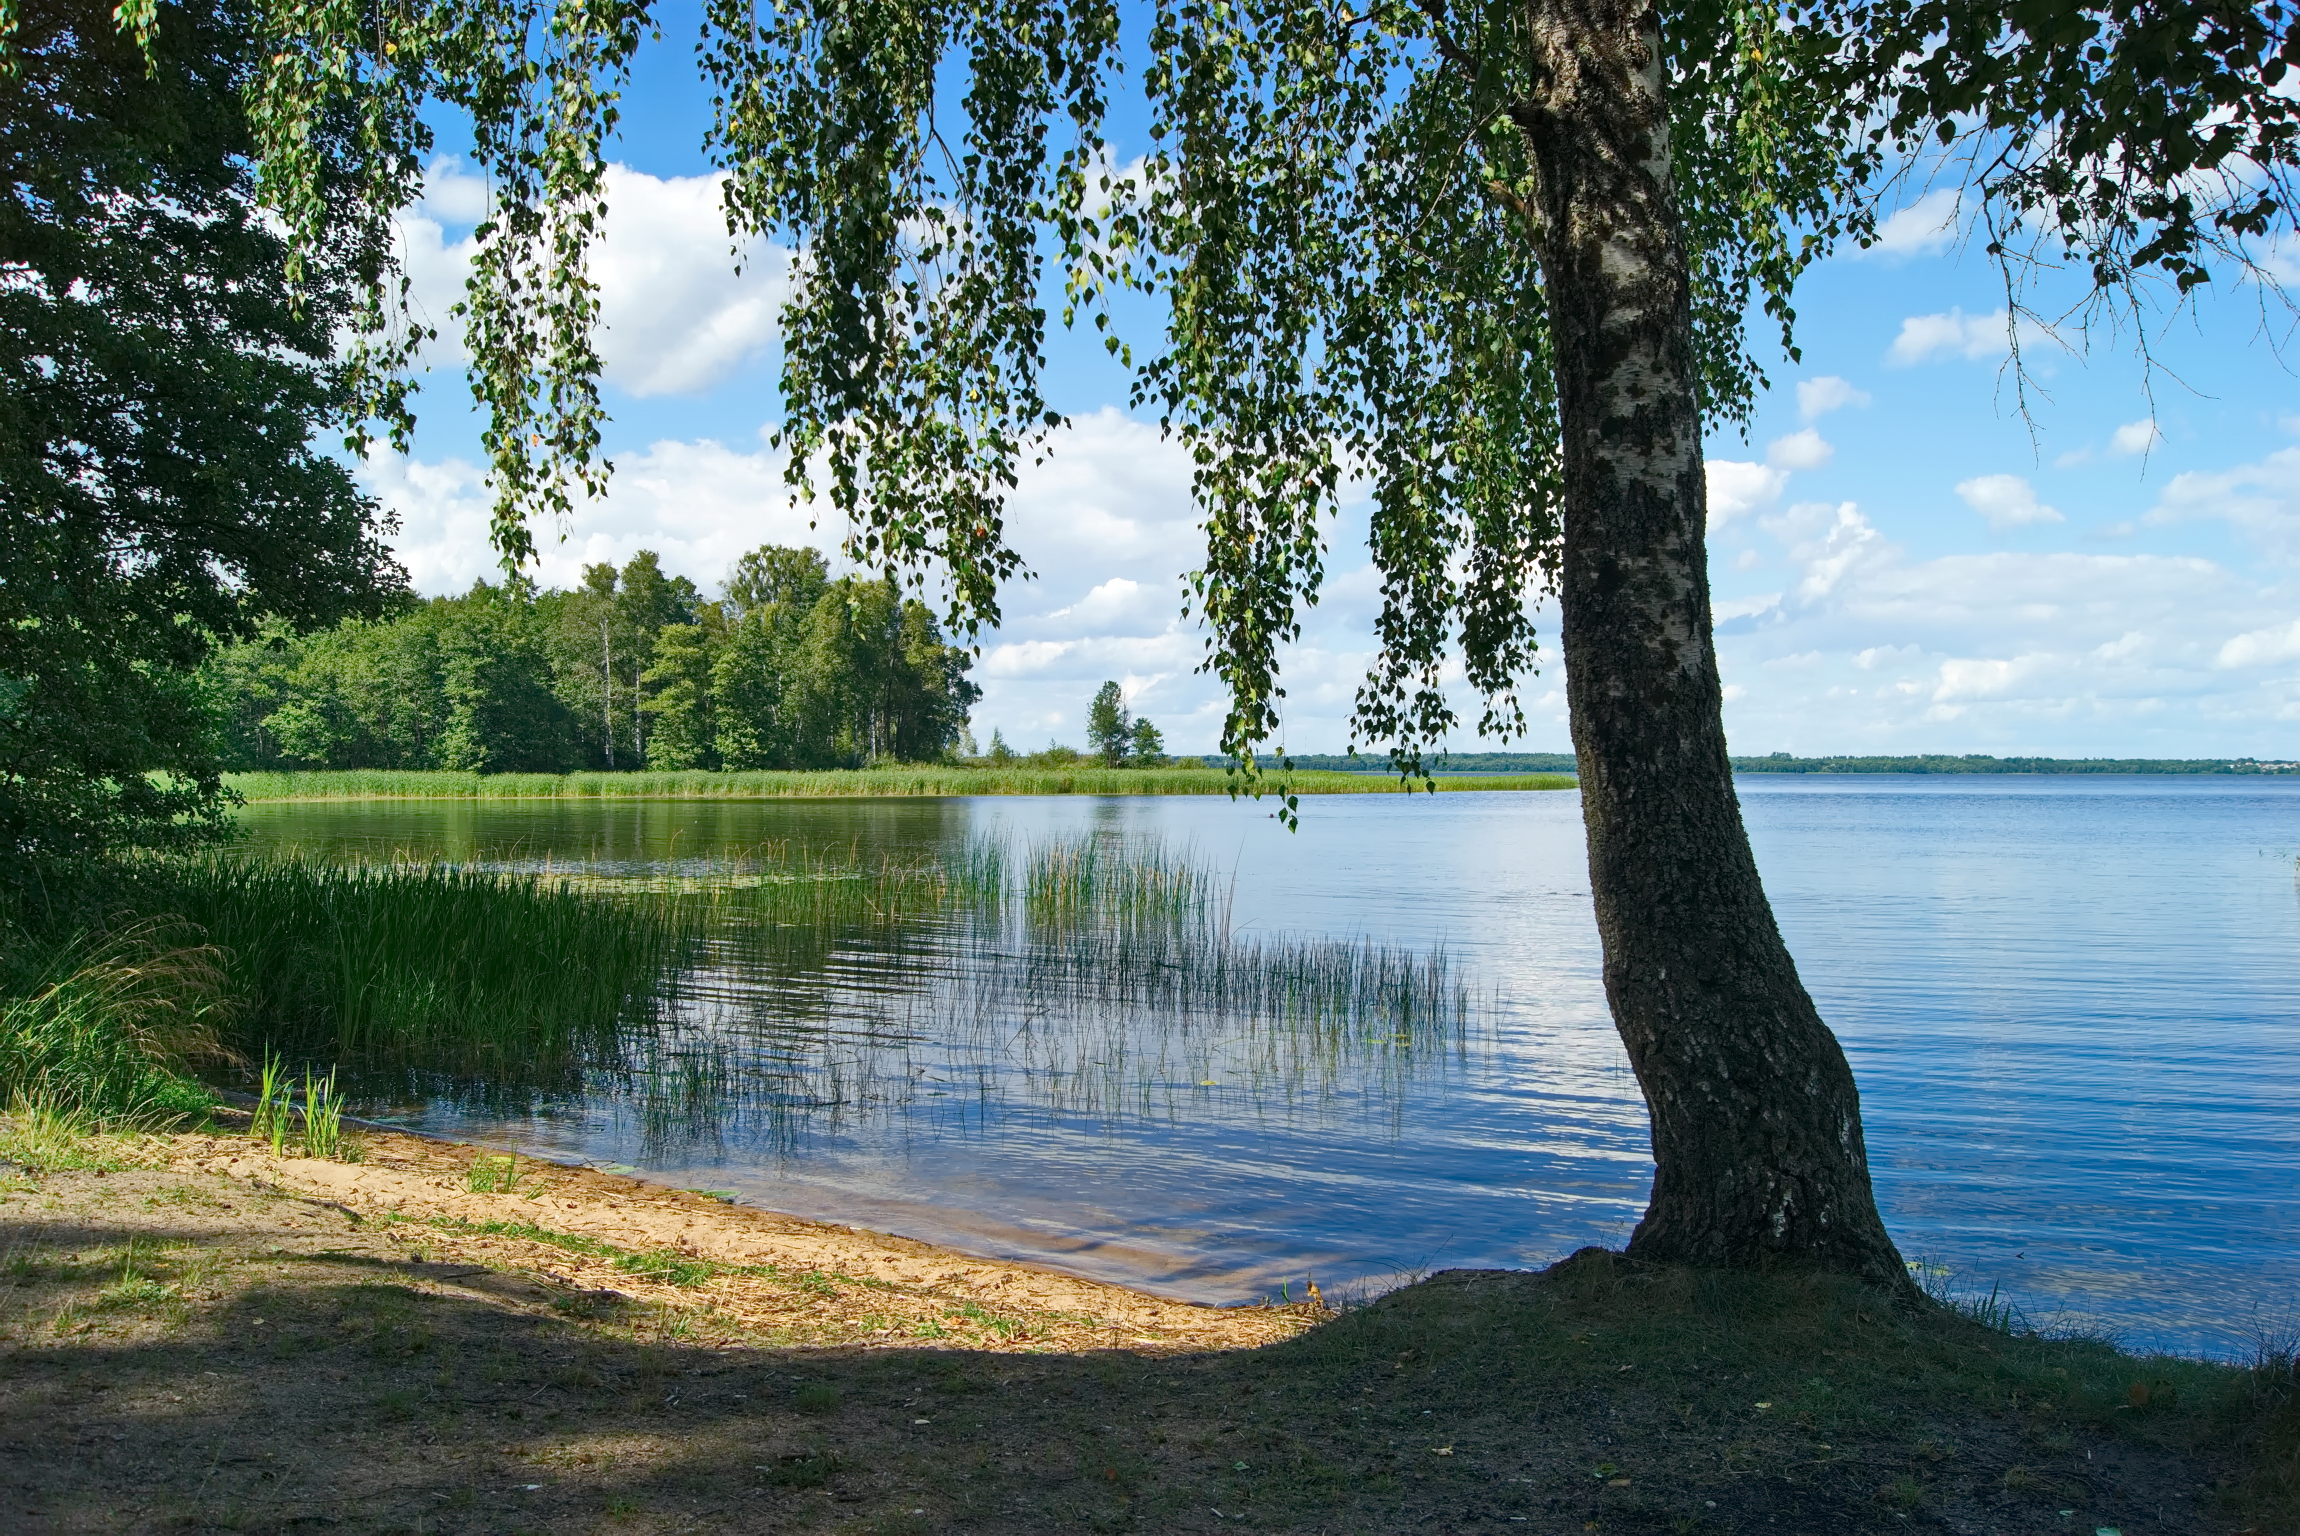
(160, 482)
(1334, 211)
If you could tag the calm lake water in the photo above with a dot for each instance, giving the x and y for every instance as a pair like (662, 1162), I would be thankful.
(2073, 1004)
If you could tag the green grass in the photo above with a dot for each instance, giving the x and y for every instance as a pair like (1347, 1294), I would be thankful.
(926, 779)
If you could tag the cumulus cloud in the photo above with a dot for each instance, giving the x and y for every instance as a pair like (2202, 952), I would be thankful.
(2007, 501)
(2007, 651)
(1831, 543)
(1927, 225)
(2135, 437)
(1818, 397)
(1799, 450)
(676, 318)
(1737, 487)
(698, 504)
(2262, 647)
(2261, 501)
(1928, 338)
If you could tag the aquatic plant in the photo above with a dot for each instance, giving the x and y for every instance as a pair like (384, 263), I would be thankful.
(1097, 977)
(322, 1117)
(444, 968)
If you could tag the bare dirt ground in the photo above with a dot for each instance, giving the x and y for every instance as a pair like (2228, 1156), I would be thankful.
(195, 1336)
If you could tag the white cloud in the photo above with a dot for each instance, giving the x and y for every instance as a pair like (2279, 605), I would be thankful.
(1832, 543)
(697, 504)
(2007, 501)
(1799, 450)
(2007, 651)
(1818, 397)
(675, 316)
(1737, 487)
(1925, 338)
(453, 194)
(2135, 437)
(2261, 501)
(2263, 647)
(1927, 225)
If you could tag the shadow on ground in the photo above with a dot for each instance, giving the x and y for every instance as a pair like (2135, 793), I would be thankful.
(161, 1375)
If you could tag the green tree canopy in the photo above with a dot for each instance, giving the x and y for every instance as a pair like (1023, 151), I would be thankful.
(159, 398)
(1109, 725)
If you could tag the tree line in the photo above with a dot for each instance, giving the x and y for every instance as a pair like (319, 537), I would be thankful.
(632, 668)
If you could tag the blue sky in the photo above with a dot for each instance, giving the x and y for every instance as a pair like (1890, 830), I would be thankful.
(1900, 562)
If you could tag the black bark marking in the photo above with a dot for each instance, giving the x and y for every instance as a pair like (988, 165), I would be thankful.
(1756, 1119)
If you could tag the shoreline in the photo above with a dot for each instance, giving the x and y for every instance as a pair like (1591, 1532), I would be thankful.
(813, 1282)
(350, 786)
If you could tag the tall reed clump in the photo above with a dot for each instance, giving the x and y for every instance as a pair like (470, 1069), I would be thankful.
(429, 966)
(1093, 975)
(781, 886)
(105, 1029)
(1099, 879)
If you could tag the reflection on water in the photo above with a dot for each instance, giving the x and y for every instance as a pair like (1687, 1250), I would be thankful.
(1380, 1045)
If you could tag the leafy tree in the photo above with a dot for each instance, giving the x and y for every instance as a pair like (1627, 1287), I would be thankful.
(362, 695)
(874, 681)
(1499, 254)
(793, 577)
(681, 703)
(1109, 726)
(1000, 752)
(502, 714)
(1148, 749)
(461, 682)
(602, 643)
(773, 591)
(158, 401)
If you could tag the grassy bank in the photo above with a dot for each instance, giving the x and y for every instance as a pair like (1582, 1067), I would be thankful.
(463, 1375)
(384, 784)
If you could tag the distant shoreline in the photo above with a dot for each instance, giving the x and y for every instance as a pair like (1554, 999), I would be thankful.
(1783, 762)
(354, 784)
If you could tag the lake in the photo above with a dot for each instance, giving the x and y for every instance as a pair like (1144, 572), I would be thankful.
(2073, 1005)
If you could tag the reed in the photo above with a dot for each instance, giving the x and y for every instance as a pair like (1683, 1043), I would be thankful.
(919, 780)
(430, 966)
(106, 1028)
(268, 1124)
(322, 1117)
(1097, 977)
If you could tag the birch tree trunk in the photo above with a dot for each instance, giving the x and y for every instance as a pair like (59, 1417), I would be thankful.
(1756, 1121)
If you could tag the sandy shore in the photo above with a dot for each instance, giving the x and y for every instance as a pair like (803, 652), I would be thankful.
(782, 1276)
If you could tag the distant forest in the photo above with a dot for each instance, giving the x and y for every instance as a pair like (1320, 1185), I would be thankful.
(632, 669)
(1782, 762)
